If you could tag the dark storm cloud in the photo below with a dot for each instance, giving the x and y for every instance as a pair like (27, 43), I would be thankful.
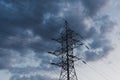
(15, 23)
(30, 25)
(92, 7)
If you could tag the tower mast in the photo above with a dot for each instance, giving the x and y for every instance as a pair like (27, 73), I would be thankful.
(68, 40)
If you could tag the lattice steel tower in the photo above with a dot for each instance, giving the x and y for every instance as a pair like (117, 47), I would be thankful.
(68, 40)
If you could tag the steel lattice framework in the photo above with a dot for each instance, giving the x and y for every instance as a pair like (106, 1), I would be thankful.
(68, 40)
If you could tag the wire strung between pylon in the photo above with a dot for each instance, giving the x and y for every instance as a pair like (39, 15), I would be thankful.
(114, 69)
(94, 70)
(102, 60)
(98, 73)
(81, 73)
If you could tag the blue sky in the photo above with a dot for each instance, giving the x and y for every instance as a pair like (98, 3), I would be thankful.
(27, 26)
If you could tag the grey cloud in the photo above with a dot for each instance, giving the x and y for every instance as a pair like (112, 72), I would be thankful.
(37, 77)
(5, 58)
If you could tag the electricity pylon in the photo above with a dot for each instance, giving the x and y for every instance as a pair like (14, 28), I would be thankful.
(68, 40)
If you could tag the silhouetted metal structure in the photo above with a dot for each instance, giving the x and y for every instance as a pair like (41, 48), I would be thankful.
(68, 40)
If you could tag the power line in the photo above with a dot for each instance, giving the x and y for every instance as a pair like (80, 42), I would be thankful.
(81, 73)
(99, 73)
(111, 66)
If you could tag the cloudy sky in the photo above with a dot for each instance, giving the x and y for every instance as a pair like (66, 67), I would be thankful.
(27, 26)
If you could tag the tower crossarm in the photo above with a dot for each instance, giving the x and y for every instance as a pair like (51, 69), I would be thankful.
(75, 58)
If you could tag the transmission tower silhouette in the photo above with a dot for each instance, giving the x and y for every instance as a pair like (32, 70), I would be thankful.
(68, 40)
